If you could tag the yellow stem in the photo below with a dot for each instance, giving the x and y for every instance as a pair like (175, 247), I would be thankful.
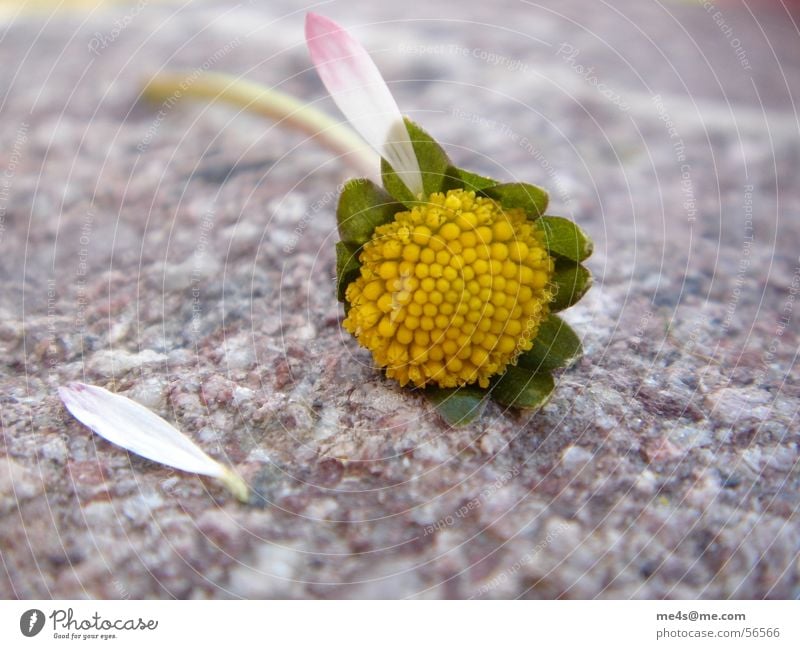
(276, 105)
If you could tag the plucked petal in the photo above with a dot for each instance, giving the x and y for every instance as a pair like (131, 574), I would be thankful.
(357, 87)
(137, 429)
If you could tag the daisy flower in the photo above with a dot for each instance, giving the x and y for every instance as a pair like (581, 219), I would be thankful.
(450, 279)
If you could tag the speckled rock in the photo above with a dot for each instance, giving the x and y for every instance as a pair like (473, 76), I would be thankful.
(182, 255)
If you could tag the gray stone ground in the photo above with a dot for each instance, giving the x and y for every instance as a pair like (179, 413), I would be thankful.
(146, 251)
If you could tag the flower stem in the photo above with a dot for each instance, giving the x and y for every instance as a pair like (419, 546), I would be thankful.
(276, 105)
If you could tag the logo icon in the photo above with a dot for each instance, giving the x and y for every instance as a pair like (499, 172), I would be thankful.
(31, 622)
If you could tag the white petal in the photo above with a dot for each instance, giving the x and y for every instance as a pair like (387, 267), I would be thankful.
(139, 430)
(357, 87)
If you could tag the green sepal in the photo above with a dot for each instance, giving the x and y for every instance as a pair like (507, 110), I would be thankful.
(571, 282)
(471, 182)
(363, 206)
(348, 266)
(433, 165)
(564, 238)
(556, 345)
(457, 406)
(519, 387)
(529, 198)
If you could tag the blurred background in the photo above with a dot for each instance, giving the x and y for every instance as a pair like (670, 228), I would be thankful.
(181, 253)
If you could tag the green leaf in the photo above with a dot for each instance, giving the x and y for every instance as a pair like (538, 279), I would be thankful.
(363, 206)
(521, 388)
(530, 198)
(347, 266)
(463, 179)
(565, 238)
(556, 345)
(433, 164)
(572, 281)
(457, 406)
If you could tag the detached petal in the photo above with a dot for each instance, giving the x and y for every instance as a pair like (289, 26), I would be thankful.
(357, 87)
(139, 430)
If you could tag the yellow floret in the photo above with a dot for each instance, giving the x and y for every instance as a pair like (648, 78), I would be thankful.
(471, 287)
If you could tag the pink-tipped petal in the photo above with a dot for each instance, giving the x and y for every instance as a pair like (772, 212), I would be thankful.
(357, 87)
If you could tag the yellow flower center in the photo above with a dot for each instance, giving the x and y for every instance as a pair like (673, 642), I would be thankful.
(451, 291)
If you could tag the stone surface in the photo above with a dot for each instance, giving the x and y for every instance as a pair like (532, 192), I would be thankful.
(183, 255)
